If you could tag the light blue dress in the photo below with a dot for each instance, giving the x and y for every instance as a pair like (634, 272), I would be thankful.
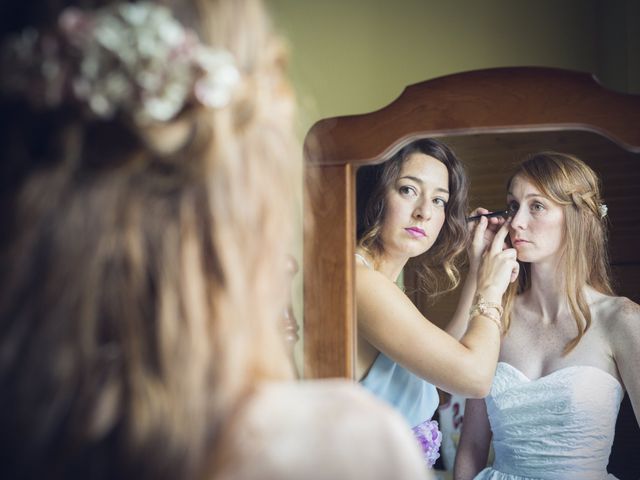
(560, 426)
(415, 398)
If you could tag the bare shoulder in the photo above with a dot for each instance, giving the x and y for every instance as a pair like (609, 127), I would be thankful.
(369, 277)
(342, 395)
(323, 429)
(311, 403)
(629, 308)
(623, 331)
(620, 308)
(618, 315)
(628, 313)
(376, 291)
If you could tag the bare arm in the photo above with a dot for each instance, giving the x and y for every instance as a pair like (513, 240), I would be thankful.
(392, 324)
(460, 320)
(473, 449)
(626, 350)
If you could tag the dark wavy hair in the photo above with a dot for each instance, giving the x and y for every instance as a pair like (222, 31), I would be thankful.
(438, 267)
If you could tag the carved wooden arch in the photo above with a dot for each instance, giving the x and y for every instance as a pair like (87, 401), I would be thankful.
(476, 102)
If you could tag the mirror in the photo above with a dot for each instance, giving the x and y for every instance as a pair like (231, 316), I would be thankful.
(475, 104)
(490, 118)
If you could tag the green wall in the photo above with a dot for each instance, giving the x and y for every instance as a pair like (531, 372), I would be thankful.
(355, 56)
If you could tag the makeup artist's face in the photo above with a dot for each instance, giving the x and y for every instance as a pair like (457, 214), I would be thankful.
(415, 206)
(537, 224)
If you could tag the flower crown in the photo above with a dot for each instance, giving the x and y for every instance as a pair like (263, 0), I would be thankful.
(130, 58)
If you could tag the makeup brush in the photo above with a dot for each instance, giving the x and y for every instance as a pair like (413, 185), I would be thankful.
(499, 213)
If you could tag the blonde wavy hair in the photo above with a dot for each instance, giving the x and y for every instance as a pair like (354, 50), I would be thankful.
(143, 269)
(572, 184)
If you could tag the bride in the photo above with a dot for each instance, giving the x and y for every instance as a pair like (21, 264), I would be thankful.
(572, 348)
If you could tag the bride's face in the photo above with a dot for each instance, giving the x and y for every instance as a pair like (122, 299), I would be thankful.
(537, 227)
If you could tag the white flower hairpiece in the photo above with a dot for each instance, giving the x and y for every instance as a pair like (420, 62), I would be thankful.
(603, 209)
(131, 58)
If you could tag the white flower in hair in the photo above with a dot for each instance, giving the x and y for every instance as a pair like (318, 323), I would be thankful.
(133, 58)
(144, 44)
(214, 89)
(603, 209)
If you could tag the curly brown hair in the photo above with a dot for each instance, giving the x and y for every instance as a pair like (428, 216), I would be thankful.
(438, 267)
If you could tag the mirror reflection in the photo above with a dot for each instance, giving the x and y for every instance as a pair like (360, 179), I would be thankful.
(558, 231)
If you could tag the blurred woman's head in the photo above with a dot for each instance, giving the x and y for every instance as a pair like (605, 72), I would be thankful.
(144, 254)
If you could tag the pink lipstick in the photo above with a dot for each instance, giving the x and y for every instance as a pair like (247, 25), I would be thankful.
(416, 231)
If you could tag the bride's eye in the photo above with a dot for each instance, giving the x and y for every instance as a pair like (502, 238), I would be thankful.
(537, 207)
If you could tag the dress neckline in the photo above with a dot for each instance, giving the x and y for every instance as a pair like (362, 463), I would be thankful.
(560, 370)
(364, 261)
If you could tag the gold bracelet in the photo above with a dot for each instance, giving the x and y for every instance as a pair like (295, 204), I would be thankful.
(481, 304)
(491, 315)
(493, 311)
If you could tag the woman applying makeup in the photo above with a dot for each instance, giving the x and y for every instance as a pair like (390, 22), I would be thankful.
(572, 347)
(414, 206)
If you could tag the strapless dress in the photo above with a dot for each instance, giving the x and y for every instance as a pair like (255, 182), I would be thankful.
(560, 426)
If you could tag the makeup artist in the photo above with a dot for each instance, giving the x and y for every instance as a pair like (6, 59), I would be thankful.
(414, 205)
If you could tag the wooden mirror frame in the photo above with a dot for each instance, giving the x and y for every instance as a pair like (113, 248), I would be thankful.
(483, 101)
